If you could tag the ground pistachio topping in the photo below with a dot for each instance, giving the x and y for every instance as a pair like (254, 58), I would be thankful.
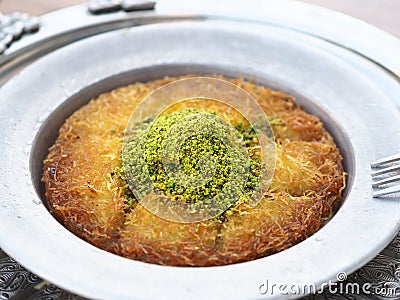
(203, 155)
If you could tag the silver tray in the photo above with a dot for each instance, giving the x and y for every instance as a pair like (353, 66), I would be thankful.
(334, 68)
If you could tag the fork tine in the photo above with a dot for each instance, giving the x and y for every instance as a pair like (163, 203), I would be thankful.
(382, 170)
(386, 170)
(387, 191)
(386, 181)
(386, 160)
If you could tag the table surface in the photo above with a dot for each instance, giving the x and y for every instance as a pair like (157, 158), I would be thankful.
(383, 14)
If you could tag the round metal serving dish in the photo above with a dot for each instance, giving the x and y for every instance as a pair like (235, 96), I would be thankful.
(351, 94)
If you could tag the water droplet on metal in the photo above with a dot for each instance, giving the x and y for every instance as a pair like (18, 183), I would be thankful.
(41, 119)
(37, 201)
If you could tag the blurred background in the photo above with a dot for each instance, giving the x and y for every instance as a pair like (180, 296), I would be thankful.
(384, 14)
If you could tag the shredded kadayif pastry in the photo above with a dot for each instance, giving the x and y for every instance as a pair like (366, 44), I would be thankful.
(88, 192)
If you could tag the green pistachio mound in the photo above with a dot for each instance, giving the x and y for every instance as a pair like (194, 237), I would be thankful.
(190, 154)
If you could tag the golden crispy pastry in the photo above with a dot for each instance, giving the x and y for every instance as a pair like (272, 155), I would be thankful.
(88, 197)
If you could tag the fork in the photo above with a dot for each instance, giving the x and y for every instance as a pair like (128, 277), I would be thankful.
(386, 170)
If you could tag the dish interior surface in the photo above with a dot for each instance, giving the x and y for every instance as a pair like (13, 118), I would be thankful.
(49, 132)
